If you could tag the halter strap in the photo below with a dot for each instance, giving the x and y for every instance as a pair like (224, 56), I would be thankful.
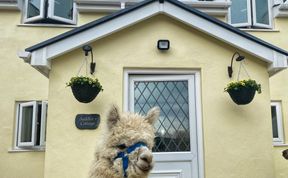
(124, 155)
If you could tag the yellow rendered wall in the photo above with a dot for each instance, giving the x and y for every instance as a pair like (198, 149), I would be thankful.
(20, 82)
(279, 88)
(237, 139)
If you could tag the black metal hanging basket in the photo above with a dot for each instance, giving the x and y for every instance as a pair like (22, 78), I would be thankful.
(243, 95)
(85, 93)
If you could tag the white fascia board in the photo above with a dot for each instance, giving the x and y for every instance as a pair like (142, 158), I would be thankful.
(105, 29)
(208, 4)
(26, 56)
(9, 6)
(214, 8)
(279, 63)
(95, 8)
(214, 12)
(39, 59)
(220, 33)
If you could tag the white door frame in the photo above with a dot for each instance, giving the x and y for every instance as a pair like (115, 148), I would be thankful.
(198, 109)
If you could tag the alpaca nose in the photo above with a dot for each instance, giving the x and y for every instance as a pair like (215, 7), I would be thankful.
(146, 157)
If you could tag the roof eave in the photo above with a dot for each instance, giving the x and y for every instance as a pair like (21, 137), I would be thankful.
(42, 53)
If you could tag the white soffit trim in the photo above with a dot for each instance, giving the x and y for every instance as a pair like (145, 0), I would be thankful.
(40, 58)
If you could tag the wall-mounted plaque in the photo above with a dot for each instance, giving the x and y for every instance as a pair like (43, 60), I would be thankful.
(87, 121)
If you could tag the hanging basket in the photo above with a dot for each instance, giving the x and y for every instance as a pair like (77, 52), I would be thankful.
(84, 89)
(242, 96)
(242, 92)
(85, 93)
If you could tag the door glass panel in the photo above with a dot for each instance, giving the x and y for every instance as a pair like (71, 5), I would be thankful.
(239, 13)
(33, 8)
(26, 127)
(274, 122)
(64, 9)
(262, 12)
(172, 128)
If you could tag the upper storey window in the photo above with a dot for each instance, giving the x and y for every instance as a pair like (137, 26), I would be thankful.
(251, 13)
(50, 11)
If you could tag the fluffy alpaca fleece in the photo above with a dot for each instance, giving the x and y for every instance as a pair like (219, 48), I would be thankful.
(126, 129)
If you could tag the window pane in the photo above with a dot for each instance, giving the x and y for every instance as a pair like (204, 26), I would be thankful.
(38, 124)
(262, 12)
(33, 8)
(172, 128)
(45, 122)
(239, 11)
(64, 9)
(274, 122)
(26, 127)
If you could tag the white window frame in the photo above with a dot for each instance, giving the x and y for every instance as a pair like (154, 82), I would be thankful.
(51, 14)
(21, 106)
(18, 145)
(255, 17)
(39, 17)
(43, 123)
(280, 139)
(251, 14)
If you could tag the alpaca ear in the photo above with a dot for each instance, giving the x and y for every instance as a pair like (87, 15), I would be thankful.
(152, 115)
(113, 116)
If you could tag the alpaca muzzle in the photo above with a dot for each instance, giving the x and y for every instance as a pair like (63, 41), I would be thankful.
(125, 159)
(145, 161)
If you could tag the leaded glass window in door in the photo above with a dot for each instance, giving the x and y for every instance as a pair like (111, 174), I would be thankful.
(176, 145)
(171, 96)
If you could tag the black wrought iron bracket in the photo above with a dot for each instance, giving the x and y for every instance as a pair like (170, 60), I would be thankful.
(230, 68)
(86, 50)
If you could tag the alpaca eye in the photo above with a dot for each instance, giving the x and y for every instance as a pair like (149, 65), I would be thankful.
(121, 146)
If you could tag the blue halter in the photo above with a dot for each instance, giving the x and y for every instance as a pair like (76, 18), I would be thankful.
(124, 155)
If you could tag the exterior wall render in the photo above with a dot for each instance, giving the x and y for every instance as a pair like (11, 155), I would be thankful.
(20, 82)
(279, 88)
(18, 38)
(224, 134)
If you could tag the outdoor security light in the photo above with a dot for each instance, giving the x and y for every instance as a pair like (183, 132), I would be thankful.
(163, 44)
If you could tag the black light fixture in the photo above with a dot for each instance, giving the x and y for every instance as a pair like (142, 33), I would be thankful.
(239, 58)
(163, 45)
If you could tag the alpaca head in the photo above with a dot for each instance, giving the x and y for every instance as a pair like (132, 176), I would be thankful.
(130, 141)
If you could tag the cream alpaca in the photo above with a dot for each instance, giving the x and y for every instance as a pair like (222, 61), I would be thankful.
(125, 131)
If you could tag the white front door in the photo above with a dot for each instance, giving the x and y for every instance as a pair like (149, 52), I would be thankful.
(176, 147)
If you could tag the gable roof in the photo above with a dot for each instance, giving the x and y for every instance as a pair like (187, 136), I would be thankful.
(141, 4)
(51, 48)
